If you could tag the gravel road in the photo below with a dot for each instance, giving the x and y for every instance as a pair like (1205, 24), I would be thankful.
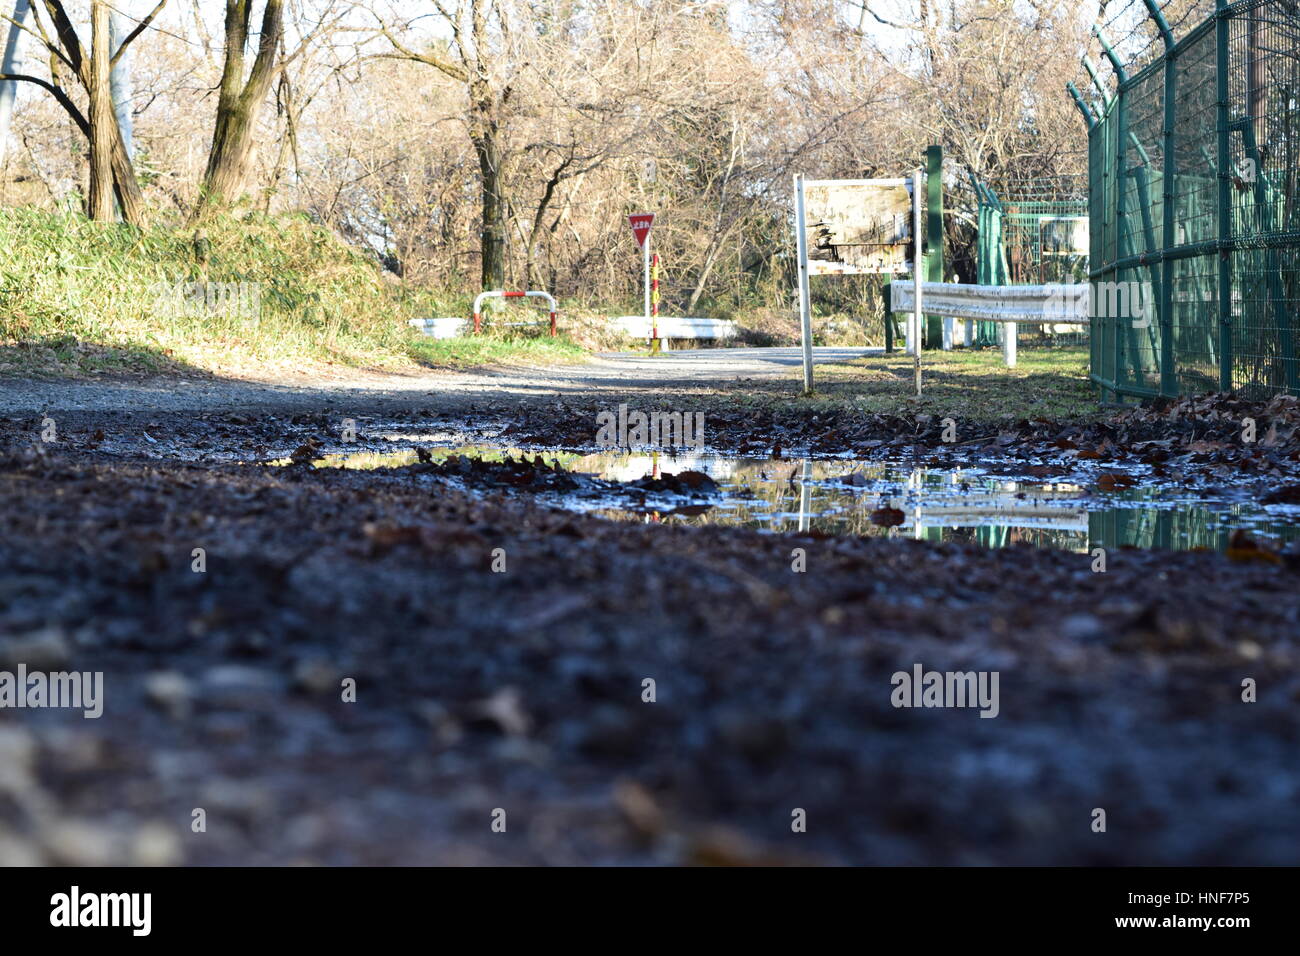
(624, 374)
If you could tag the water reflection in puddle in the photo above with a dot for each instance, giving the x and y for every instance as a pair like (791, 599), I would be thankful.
(839, 496)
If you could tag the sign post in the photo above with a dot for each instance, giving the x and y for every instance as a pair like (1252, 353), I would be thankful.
(805, 307)
(654, 297)
(847, 227)
(641, 222)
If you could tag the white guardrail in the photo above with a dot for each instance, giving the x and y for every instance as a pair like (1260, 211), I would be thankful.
(675, 327)
(636, 326)
(1057, 304)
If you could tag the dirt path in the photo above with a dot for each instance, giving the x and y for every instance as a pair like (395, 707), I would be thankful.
(501, 651)
(623, 374)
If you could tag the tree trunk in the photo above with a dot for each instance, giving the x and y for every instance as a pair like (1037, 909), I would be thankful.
(129, 196)
(531, 277)
(11, 62)
(103, 119)
(493, 244)
(233, 145)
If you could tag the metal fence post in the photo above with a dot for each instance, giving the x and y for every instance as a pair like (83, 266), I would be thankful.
(917, 237)
(1121, 187)
(805, 305)
(1221, 29)
(1168, 373)
(934, 235)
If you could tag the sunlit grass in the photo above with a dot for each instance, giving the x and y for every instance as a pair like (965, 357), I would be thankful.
(79, 297)
(971, 385)
(490, 350)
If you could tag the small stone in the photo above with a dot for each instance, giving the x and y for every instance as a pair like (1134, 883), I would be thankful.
(171, 692)
(80, 843)
(316, 676)
(1082, 627)
(238, 677)
(45, 649)
(504, 710)
(155, 844)
(239, 687)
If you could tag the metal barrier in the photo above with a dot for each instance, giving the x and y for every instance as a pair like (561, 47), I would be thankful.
(675, 327)
(498, 294)
(1066, 303)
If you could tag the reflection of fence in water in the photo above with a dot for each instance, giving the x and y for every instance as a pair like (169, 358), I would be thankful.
(804, 495)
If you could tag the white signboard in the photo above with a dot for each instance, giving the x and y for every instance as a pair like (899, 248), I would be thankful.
(852, 227)
(857, 226)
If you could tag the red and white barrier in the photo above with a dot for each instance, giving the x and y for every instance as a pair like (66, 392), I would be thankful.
(501, 294)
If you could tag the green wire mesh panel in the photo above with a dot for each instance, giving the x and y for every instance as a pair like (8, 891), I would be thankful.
(1034, 234)
(1194, 299)
(1202, 295)
(1264, 44)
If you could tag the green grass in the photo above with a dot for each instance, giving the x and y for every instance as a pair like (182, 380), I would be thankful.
(971, 385)
(489, 350)
(78, 297)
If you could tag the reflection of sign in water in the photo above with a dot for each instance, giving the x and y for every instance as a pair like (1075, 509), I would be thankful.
(1063, 235)
(857, 226)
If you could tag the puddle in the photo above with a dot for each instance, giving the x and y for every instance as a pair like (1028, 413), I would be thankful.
(981, 504)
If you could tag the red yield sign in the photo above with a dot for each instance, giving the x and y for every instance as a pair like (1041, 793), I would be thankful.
(641, 223)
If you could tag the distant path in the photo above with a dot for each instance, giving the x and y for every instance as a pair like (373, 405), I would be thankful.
(616, 372)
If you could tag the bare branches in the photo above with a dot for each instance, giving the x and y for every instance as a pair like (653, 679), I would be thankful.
(140, 28)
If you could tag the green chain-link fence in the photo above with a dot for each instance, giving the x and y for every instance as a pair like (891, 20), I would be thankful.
(1195, 234)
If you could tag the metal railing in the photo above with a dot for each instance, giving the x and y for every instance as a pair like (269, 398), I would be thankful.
(499, 294)
(1064, 303)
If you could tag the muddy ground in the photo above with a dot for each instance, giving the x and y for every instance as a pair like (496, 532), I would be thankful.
(522, 690)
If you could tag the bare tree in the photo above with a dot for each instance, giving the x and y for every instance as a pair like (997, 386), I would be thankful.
(244, 90)
(111, 171)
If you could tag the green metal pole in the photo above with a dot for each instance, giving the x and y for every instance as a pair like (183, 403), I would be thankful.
(1121, 187)
(888, 293)
(1078, 101)
(934, 234)
(1221, 27)
(1168, 374)
(1272, 271)
(1120, 74)
(1139, 174)
(1096, 80)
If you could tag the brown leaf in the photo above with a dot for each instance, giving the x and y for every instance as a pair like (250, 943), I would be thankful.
(887, 517)
(1242, 546)
(1111, 481)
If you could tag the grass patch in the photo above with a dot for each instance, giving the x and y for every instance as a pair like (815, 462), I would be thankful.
(970, 385)
(246, 294)
(467, 351)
